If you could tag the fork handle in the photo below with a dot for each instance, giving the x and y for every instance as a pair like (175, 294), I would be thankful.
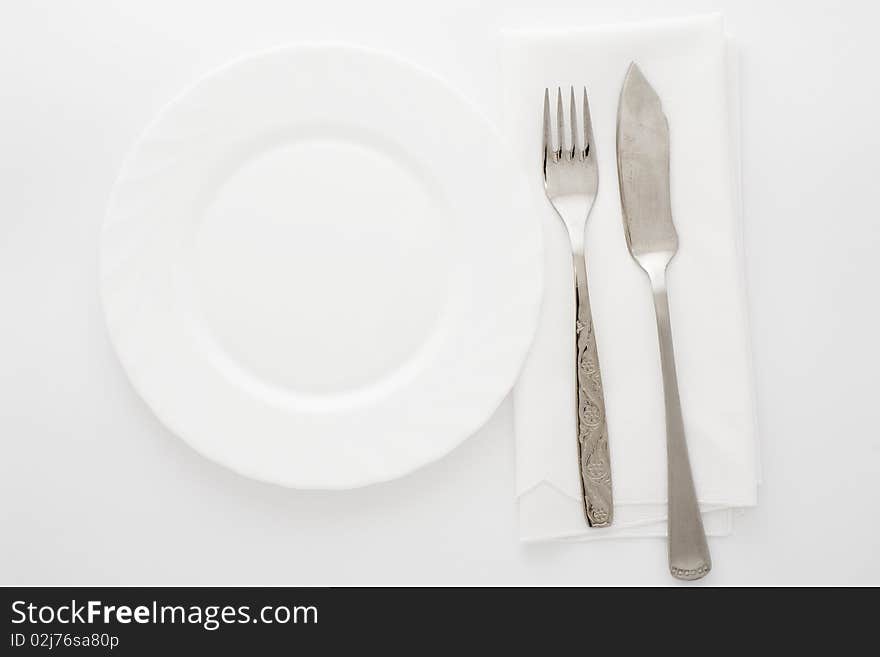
(592, 430)
(688, 551)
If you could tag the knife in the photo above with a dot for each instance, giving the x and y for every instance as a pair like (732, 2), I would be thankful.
(643, 175)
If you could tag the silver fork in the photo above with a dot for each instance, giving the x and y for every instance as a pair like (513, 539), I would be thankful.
(571, 180)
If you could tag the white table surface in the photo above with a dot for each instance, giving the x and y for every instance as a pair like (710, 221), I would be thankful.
(93, 490)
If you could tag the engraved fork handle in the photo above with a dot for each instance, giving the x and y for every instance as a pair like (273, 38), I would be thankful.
(593, 458)
(688, 551)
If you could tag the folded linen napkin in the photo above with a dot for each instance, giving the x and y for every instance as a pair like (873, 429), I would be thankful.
(688, 63)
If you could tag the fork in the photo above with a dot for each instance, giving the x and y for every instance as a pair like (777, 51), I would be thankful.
(571, 180)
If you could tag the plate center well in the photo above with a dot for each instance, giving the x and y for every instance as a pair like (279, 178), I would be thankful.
(319, 266)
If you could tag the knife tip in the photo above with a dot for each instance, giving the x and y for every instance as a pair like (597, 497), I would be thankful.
(636, 87)
(633, 74)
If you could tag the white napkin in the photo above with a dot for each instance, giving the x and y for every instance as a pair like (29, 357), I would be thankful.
(687, 61)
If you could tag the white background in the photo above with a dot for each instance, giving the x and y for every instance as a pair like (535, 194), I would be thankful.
(93, 490)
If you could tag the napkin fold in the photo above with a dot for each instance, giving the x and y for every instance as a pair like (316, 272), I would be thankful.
(690, 65)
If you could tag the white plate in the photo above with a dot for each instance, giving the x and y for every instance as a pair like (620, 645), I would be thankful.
(318, 267)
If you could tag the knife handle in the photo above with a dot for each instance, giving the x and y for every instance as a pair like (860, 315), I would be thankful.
(592, 430)
(689, 557)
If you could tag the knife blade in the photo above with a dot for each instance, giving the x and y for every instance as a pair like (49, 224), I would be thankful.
(643, 167)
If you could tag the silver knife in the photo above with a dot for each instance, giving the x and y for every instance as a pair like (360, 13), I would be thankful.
(643, 173)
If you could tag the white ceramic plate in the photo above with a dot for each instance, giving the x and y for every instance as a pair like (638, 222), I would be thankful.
(318, 267)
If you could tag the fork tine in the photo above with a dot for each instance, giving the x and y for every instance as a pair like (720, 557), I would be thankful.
(588, 126)
(548, 137)
(560, 124)
(574, 125)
